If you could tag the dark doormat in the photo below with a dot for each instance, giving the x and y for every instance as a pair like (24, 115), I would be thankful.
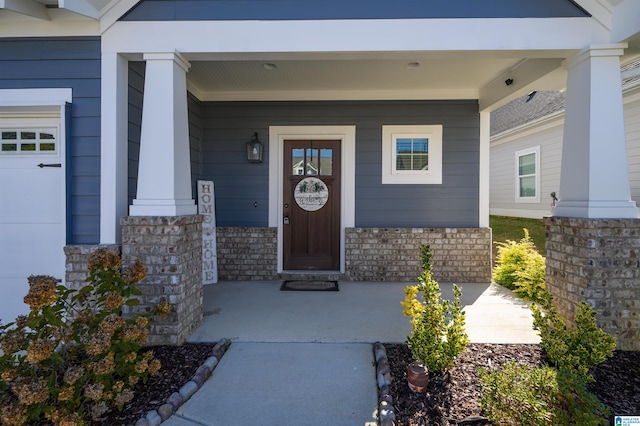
(309, 285)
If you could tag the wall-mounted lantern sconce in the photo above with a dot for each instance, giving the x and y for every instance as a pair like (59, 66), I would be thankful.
(254, 149)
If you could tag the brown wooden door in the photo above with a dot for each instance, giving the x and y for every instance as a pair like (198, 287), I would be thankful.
(311, 221)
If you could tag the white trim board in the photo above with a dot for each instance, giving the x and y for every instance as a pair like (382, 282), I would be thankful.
(277, 136)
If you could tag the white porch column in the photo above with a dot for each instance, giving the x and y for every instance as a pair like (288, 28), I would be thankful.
(594, 181)
(485, 136)
(113, 147)
(164, 173)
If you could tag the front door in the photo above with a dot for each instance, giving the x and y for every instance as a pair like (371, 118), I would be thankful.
(311, 210)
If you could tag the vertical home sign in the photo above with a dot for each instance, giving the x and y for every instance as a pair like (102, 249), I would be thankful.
(207, 208)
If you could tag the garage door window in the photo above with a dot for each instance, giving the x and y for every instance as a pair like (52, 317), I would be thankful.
(28, 141)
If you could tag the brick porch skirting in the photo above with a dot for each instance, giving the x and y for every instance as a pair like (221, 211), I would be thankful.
(371, 254)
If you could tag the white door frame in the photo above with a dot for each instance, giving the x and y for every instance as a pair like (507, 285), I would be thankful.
(347, 136)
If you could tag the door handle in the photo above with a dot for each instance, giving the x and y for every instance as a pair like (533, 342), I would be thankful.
(285, 219)
(41, 165)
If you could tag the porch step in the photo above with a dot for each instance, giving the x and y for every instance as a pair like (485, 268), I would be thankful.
(311, 276)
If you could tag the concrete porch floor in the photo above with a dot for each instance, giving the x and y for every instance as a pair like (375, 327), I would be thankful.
(361, 312)
(306, 359)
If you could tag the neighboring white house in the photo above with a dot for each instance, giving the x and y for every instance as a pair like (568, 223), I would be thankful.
(526, 149)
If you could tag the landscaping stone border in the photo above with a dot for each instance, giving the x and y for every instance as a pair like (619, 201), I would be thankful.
(177, 399)
(386, 415)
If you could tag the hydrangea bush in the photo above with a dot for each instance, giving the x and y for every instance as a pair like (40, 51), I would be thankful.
(76, 355)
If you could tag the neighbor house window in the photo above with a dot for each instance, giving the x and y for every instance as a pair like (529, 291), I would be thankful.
(412, 154)
(528, 175)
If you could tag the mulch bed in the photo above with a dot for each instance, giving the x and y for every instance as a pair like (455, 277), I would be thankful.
(457, 401)
(445, 403)
(179, 364)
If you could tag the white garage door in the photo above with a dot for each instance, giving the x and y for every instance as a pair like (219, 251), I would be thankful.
(32, 211)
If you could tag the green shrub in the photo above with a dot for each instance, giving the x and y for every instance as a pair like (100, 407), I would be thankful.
(521, 268)
(553, 394)
(572, 350)
(438, 335)
(524, 395)
(75, 356)
(515, 394)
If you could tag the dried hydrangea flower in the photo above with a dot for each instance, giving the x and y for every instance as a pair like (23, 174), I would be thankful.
(73, 374)
(135, 273)
(65, 394)
(164, 308)
(131, 333)
(9, 375)
(103, 259)
(124, 397)
(13, 414)
(154, 367)
(98, 343)
(94, 391)
(133, 380)
(105, 366)
(111, 323)
(113, 301)
(117, 386)
(21, 321)
(130, 357)
(12, 341)
(142, 322)
(40, 350)
(142, 366)
(42, 292)
(31, 392)
(97, 410)
(66, 419)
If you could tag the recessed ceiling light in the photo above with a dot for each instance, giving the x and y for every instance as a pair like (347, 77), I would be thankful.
(412, 64)
(269, 66)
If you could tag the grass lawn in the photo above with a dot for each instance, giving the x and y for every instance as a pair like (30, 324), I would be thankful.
(510, 228)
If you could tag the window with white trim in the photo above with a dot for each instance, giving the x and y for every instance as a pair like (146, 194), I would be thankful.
(412, 154)
(528, 175)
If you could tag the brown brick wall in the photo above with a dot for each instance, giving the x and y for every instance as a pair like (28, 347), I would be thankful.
(171, 249)
(597, 260)
(247, 254)
(372, 254)
(460, 255)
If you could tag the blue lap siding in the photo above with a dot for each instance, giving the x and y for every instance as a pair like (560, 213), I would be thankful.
(66, 62)
(241, 186)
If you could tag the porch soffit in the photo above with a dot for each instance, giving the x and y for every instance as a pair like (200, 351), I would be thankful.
(415, 75)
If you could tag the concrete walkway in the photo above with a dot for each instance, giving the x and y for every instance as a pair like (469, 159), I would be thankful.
(305, 358)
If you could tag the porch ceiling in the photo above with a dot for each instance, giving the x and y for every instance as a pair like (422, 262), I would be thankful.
(406, 75)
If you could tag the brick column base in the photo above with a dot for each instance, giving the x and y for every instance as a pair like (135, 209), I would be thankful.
(597, 260)
(171, 249)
